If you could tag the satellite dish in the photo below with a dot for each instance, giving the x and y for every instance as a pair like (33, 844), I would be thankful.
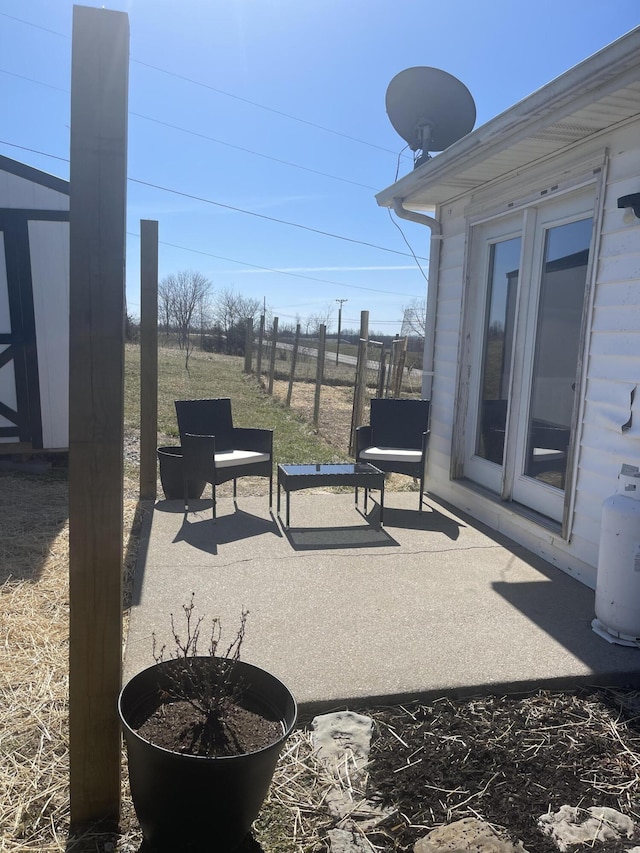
(430, 109)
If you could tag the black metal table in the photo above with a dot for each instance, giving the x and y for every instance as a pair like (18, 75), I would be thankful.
(293, 478)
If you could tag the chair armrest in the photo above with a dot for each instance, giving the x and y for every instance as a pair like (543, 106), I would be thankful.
(363, 438)
(251, 438)
(198, 453)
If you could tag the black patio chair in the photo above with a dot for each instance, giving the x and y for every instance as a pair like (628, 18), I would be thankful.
(215, 451)
(396, 438)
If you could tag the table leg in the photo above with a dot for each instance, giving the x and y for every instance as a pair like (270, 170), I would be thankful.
(288, 494)
(381, 503)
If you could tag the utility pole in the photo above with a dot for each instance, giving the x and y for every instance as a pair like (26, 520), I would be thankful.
(340, 301)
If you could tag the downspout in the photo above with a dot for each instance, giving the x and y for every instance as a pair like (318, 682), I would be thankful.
(432, 290)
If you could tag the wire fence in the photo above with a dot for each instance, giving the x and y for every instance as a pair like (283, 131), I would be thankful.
(367, 369)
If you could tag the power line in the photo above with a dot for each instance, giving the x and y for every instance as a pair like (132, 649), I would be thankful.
(204, 136)
(272, 218)
(263, 107)
(233, 208)
(222, 92)
(250, 151)
(279, 272)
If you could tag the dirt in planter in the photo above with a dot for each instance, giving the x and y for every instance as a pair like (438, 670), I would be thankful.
(180, 727)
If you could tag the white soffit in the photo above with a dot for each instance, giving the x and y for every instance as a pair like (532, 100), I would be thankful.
(601, 92)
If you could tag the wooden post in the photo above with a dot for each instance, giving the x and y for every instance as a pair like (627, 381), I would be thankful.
(272, 361)
(148, 358)
(294, 359)
(381, 374)
(260, 340)
(357, 413)
(98, 174)
(248, 346)
(402, 356)
(319, 374)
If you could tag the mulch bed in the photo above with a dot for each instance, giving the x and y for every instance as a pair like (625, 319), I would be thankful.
(505, 760)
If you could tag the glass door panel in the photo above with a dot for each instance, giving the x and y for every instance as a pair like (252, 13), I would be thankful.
(555, 360)
(504, 262)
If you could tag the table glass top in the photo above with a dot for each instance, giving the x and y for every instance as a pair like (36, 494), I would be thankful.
(329, 468)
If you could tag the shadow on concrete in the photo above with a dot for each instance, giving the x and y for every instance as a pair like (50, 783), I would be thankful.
(545, 604)
(207, 534)
(429, 520)
(334, 538)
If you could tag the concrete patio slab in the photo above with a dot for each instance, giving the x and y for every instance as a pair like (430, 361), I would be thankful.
(348, 614)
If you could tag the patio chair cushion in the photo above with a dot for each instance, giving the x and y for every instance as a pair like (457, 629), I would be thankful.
(227, 458)
(390, 454)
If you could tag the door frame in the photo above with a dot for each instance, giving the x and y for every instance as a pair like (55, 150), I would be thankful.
(531, 200)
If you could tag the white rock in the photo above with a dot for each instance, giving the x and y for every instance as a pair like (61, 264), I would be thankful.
(571, 825)
(342, 736)
(345, 841)
(468, 834)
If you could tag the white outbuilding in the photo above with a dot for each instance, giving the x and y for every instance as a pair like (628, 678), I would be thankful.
(532, 355)
(34, 309)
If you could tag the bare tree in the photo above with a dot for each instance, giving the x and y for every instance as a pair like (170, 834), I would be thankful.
(414, 319)
(320, 317)
(230, 314)
(183, 298)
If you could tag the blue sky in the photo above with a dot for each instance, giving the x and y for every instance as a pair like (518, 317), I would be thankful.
(277, 108)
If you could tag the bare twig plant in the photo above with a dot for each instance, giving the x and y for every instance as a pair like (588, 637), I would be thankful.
(211, 691)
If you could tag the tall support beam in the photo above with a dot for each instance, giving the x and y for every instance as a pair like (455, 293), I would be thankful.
(148, 358)
(99, 83)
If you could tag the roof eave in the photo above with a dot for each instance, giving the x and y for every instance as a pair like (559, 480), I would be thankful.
(603, 72)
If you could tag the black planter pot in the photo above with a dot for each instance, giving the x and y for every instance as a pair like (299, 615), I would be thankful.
(171, 475)
(196, 803)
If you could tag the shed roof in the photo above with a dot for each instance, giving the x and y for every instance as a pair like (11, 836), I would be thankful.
(595, 95)
(36, 176)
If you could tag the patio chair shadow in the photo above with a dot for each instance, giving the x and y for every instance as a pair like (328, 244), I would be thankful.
(429, 520)
(336, 538)
(178, 506)
(205, 534)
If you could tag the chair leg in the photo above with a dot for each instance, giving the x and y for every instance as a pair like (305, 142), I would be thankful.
(271, 489)
(213, 498)
(421, 492)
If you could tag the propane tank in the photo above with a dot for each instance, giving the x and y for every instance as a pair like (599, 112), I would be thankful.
(617, 602)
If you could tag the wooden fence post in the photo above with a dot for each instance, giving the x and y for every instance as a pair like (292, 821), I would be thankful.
(98, 181)
(402, 357)
(248, 346)
(360, 386)
(148, 358)
(382, 370)
(272, 362)
(294, 359)
(319, 374)
(260, 340)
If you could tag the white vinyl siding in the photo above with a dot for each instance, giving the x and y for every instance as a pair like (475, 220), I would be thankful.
(612, 366)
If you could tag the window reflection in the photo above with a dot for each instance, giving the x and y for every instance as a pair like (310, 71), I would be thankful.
(555, 363)
(504, 261)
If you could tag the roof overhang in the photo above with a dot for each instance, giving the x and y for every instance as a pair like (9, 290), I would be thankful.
(601, 92)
